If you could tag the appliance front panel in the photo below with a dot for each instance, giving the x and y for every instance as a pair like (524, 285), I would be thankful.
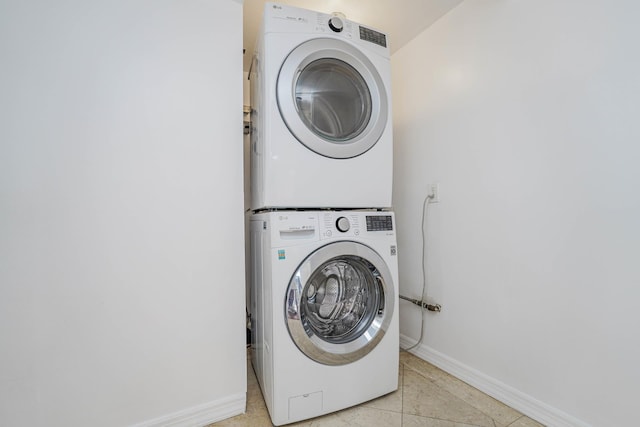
(285, 173)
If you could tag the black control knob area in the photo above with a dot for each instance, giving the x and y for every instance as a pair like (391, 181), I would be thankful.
(336, 24)
(342, 224)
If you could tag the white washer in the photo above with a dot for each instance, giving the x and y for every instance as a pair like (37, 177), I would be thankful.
(321, 113)
(324, 310)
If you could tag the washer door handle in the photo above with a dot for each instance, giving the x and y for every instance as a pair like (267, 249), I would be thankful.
(382, 296)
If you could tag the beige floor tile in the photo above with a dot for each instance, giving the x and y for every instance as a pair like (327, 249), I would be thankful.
(525, 422)
(256, 414)
(254, 394)
(425, 398)
(255, 402)
(423, 367)
(416, 421)
(389, 402)
(245, 420)
(501, 413)
(358, 416)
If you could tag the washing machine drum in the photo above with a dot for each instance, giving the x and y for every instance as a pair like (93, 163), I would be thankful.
(332, 98)
(339, 303)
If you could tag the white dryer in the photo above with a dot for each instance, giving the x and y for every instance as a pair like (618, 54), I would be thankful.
(324, 310)
(321, 113)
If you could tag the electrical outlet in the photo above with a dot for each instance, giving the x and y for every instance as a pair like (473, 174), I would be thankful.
(435, 193)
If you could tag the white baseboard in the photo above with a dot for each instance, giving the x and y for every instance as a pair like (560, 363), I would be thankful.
(201, 415)
(506, 394)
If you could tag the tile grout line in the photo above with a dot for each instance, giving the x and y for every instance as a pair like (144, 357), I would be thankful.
(470, 403)
(513, 422)
(402, 397)
(424, 375)
(436, 384)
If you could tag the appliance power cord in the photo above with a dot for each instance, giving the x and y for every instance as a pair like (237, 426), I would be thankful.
(424, 306)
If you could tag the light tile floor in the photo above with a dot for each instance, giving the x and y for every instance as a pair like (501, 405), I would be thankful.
(426, 397)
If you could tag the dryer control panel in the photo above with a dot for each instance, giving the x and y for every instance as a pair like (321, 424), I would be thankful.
(280, 18)
(373, 36)
(334, 24)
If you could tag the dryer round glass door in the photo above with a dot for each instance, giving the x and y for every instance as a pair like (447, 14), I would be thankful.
(339, 303)
(332, 98)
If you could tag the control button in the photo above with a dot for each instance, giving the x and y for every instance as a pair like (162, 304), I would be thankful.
(342, 224)
(336, 24)
(328, 233)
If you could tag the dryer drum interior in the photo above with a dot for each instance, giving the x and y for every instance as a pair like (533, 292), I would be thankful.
(333, 100)
(339, 303)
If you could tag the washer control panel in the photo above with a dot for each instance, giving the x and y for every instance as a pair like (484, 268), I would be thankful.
(337, 224)
(341, 224)
(379, 223)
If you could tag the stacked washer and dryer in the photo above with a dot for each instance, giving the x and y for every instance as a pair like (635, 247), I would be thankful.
(324, 275)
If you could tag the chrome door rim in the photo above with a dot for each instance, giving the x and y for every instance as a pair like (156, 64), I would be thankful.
(312, 345)
(295, 63)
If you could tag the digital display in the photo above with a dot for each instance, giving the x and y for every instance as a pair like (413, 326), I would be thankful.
(373, 36)
(379, 223)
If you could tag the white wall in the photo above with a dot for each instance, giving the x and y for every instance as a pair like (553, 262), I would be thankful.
(526, 113)
(121, 212)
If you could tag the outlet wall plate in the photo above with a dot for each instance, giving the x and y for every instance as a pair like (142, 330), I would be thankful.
(435, 192)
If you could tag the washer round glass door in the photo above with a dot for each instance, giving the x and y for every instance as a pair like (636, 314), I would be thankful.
(339, 303)
(332, 98)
